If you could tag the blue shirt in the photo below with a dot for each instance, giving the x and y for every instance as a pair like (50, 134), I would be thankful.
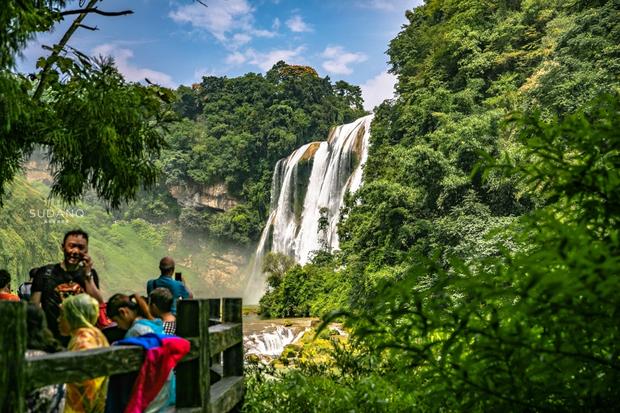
(177, 289)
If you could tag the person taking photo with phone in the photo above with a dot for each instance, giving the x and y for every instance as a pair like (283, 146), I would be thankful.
(73, 275)
(177, 286)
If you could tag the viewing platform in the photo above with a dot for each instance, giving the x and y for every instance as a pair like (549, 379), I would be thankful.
(209, 378)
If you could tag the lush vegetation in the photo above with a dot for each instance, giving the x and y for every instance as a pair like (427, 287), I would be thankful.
(479, 263)
(296, 291)
(481, 253)
(109, 141)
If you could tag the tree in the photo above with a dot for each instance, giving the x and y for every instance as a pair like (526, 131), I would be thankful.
(99, 131)
(275, 265)
(351, 94)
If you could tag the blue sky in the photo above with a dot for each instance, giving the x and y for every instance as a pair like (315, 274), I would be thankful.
(174, 42)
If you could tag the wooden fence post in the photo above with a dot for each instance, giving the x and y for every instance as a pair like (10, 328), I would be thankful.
(193, 377)
(233, 357)
(12, 357)
(214, 311)
(215, 314)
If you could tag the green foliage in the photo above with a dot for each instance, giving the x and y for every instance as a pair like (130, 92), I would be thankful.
(296, 291)
(25, 240)
(276, 265)
(21, 20)
(100, 131)
(533, 329)
(463, 68)
(307, 390)
(240, 224)
(156, 206)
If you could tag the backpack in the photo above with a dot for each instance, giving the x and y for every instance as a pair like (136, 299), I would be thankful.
(24, 291)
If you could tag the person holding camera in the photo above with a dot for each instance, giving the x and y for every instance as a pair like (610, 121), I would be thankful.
(74, 275)
(176, 286)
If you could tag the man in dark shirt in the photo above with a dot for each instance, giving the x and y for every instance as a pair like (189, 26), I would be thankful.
(74, 275)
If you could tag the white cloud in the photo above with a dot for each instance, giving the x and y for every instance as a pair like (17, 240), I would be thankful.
(377, 89)
(338, 60)
(263, 33)
(266, 60)
(276, 24)
(236, 58)
(224, 19)
(220, 17)
(298, 25)
(241, 38)
(389, 5)
(131, 72)
(201, 72)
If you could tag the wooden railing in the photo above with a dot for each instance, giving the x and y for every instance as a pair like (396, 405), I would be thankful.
(209, 378)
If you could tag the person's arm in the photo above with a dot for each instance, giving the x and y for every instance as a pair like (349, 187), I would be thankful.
(37, 288)
(91, 288)
(187, 293)
(89, 282)
(35, 298)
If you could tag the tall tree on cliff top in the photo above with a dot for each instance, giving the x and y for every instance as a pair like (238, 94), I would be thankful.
(100, 131)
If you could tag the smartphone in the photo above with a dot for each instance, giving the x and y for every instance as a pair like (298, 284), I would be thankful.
(178, 276)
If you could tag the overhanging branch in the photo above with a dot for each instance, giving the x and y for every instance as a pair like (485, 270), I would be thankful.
(57, 49)
(96, 11)
(93, 28)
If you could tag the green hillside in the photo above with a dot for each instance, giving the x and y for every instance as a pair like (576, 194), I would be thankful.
(126, 252)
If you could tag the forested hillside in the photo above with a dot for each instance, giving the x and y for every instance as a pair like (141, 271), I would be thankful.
(232, 133)
(480, 258)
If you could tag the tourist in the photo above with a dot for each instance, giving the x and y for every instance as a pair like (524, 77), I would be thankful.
(41, 341)
(78, 317)
(165, 280)
(132, 314)
(5, 287)
(160, 305)
(74, 275)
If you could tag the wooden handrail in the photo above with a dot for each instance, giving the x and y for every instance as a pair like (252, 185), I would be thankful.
(77, 366)
(199, 387)
(70, 367)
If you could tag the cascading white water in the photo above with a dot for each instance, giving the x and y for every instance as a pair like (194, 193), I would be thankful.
(256, 285)
(306, 203)
(334, 172)
(270, 344)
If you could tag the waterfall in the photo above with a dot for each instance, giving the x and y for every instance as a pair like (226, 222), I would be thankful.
(270, 344)
(256, 285)
(307, 193)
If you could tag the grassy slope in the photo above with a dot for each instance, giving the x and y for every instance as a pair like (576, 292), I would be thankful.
(126, 253)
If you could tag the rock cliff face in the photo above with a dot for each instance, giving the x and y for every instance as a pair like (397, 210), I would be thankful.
(219, 272)
(214, 197)
(37, 168)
